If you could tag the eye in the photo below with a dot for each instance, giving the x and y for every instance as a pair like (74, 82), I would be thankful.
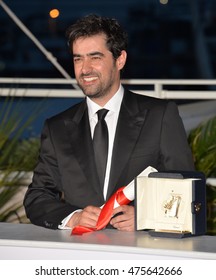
(96, 57)
(76, 59)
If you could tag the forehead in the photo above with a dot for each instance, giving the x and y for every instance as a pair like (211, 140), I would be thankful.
(90, 44)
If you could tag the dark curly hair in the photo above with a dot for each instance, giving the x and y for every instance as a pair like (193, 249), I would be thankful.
(92, 25)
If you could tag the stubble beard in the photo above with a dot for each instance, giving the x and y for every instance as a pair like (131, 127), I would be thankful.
(97, 91)
(92, 91)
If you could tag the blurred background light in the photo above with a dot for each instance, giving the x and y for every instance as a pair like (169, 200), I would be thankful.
(54, 13)
(164, 2)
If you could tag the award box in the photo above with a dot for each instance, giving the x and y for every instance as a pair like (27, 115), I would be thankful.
(171, 204)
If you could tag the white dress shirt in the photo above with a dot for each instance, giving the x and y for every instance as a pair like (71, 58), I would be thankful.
(111, 118)
(113, 105)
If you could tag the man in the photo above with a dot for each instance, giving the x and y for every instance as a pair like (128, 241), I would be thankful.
(142, 131)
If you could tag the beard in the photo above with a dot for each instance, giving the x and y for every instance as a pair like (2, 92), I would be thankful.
(97, 90)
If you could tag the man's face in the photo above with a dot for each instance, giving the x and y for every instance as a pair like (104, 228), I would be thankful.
(96, 71)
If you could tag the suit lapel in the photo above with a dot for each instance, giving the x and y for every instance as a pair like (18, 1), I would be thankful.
(130, 123)
(81, 142)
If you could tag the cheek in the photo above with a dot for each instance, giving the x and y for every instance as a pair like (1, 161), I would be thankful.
(77, 70)
(105, 69)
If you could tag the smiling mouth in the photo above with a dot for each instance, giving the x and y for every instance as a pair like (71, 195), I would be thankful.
(89, 79)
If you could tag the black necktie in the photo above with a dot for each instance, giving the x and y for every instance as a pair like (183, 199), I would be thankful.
(100, 142)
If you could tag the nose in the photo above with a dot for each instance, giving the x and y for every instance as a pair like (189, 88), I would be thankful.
(86, 66)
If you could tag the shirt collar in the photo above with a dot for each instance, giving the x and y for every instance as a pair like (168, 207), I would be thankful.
(113, 105)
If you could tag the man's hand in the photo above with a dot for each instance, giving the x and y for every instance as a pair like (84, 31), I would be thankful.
(125, 221)
(87, 217)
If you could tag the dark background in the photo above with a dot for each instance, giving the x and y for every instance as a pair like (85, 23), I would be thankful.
(176, 40)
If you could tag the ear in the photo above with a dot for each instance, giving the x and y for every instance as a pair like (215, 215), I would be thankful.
(121, 60)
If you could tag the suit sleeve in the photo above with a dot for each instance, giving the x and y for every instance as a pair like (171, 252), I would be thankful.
(175, 151)
(43, 201)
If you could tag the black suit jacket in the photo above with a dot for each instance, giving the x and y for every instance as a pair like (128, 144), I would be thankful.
(149, 132)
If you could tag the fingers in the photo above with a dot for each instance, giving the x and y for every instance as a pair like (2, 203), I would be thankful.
(125, 220)
(87, 217)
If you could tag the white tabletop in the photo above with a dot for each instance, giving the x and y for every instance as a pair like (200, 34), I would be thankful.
(26, 241)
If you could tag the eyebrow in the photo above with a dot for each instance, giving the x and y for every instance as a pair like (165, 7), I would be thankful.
(89, 54)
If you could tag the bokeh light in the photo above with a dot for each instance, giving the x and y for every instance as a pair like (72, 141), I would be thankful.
(164, 2)
(54, 13)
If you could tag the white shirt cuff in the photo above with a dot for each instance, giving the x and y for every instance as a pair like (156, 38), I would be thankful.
(65, 221)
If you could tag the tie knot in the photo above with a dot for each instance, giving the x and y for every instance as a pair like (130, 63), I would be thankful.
(102, 113)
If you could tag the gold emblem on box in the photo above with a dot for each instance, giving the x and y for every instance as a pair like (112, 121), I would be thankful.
(171, 205)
